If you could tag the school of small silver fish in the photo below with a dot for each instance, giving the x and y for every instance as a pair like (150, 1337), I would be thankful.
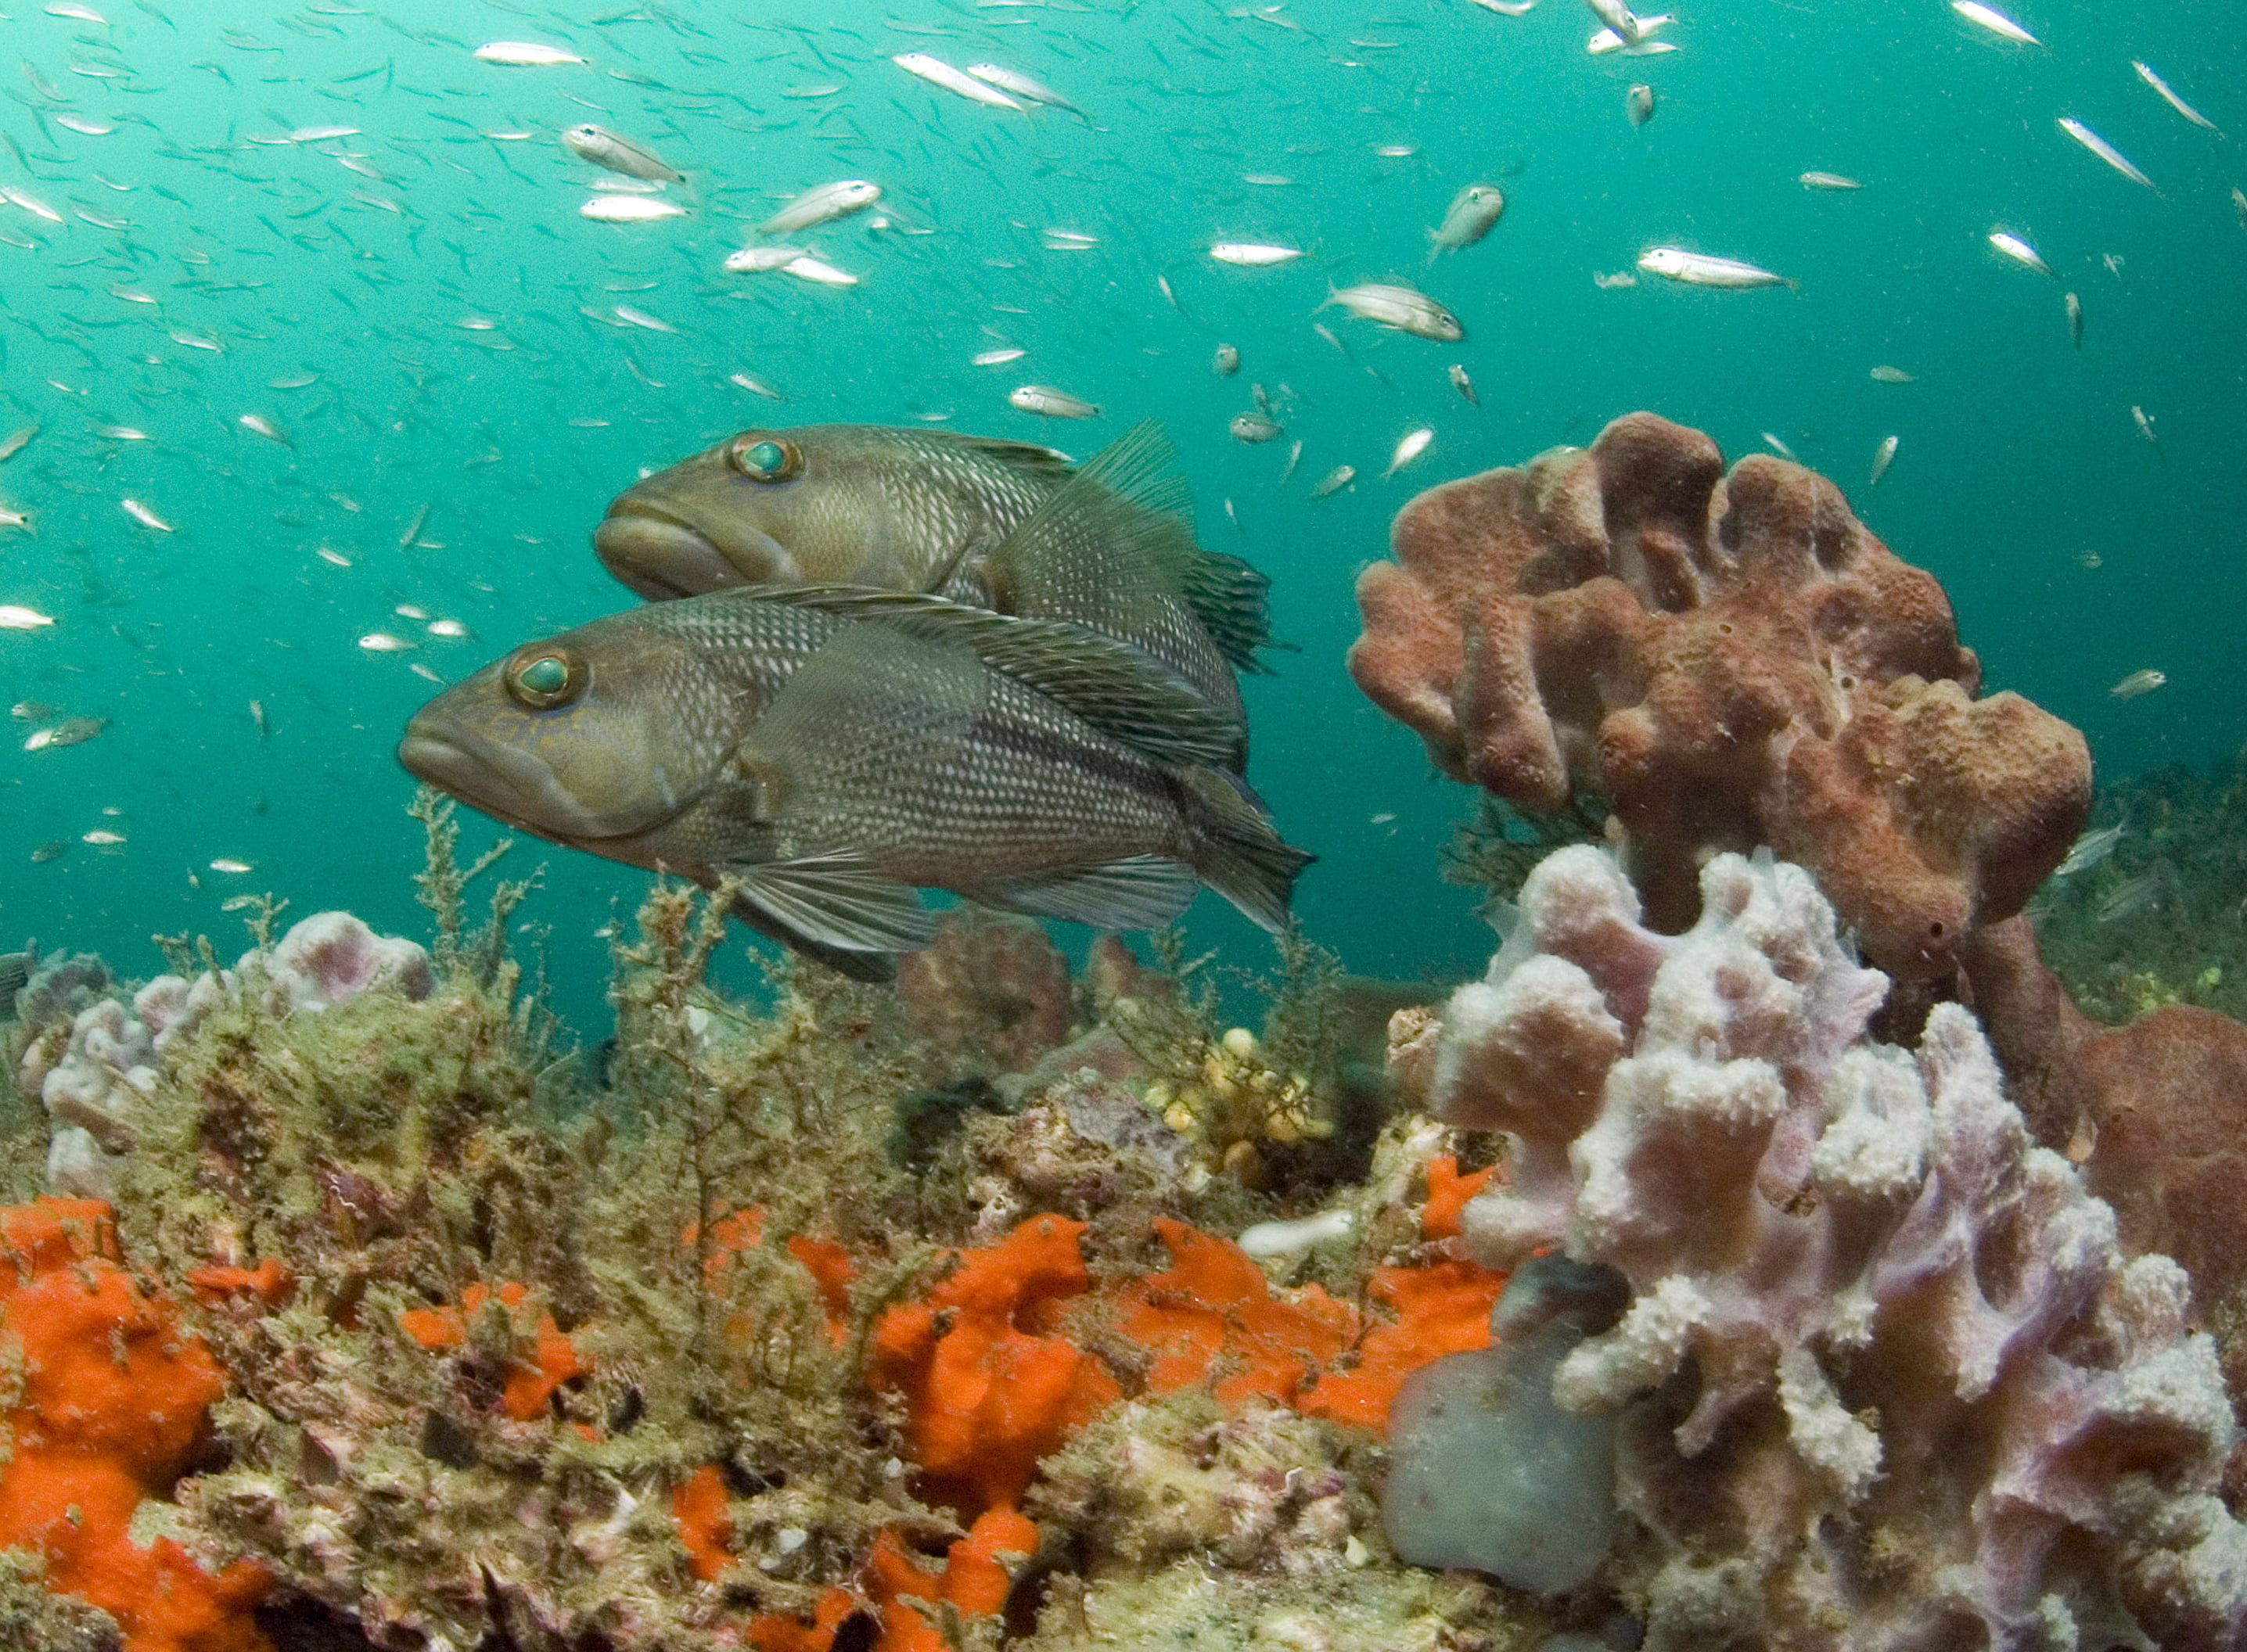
(327, 331)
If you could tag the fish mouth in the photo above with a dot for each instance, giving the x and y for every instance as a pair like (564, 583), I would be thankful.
(660, 556)
(513, 786)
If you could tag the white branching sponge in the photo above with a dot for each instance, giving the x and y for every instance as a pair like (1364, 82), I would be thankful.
(1885, 1380)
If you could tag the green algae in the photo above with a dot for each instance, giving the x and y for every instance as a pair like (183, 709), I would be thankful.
(1497, 845)
(2162, 919)
(31, 1617)
(22, 1134)
(394, 1156)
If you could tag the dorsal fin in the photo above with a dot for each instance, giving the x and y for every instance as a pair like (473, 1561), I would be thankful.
(1121, 690)
(1026, 456)
(1232, 601)
(1118, 538)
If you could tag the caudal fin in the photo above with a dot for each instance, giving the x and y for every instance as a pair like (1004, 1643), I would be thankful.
(1240, 855)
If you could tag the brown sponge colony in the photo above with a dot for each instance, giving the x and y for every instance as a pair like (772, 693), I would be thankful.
(1730, 661)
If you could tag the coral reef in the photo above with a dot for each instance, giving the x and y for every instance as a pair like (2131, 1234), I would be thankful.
(1885, 1372)
(1008, 1310)
(701, 1346)
(1731, 662)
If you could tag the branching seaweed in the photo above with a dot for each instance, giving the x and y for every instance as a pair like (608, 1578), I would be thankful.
(659, 1064)
(1301, 1030)
(1239, 1099)
(179, 952)
(442, 881)
(264, 914)
(1497, 849)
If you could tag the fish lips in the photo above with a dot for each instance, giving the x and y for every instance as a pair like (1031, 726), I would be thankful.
(659, 556)
(514, 785)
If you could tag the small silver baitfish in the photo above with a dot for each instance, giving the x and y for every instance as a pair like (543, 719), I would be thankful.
(1699, 270)
(1473, 213)
(1883, 456)
(1023, 86)
(2090, 850)
(2168, 94)
(818, 206)
(2106, 151)
(1048, 402)
(1403, 308)
(618, 153)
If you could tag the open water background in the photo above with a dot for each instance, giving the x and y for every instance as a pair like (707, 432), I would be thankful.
(2020, 464)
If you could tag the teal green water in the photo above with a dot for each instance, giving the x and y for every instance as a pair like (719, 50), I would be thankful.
(2020, 463)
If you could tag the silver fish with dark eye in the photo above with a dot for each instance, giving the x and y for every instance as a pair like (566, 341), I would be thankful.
(1403, 308)
(1473, 213)
(1004, 525)
(618, 153)
(828, 750)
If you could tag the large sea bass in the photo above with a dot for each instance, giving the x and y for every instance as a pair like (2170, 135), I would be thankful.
(1003, 525)
(831, 748)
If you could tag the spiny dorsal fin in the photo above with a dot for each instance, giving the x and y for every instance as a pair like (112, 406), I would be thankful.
(1026, 456)
(1114, 532)
(1126, 694)
(1230, 599)
(1127, 508)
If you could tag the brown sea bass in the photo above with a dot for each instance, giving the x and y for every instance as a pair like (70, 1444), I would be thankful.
(1003, 525)
(832, 749)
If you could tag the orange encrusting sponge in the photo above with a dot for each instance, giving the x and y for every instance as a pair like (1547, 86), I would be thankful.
(990, 1385)
(113, 1399)
(548, 1358)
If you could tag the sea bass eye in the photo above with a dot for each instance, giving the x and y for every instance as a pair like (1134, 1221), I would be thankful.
(765, 458)
(546, 679)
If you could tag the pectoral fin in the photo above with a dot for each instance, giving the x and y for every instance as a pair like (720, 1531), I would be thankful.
(833, 904)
